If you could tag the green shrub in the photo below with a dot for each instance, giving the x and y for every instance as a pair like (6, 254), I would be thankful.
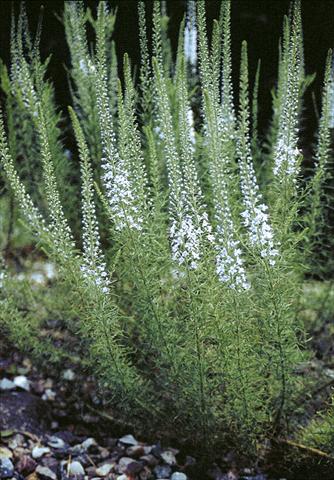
(187, 306)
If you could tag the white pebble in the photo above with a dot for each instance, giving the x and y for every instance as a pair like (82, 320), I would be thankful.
(179, 476)
(103, 470)
(49, 395)
(46, 472)
(89, 442)
(168, 457)
(38, 452)
(21, 381)
(68, 375)
(75, 468)
(128, 440)
(6, 384)
(56, 442)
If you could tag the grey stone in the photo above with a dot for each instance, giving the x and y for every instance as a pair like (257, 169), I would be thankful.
(56, 442)
(6, 384)
(23, 411)
(128, 440)
(104, 470)
(38, 452)
(68, 375)
(26, 465)
(45, 472)
(168, 457)
(75, 468)
(162, 471)
(179, 476)
(6, 467)
(88, 443)
(124, 463)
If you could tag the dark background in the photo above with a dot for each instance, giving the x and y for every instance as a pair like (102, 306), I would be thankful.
(257, 21)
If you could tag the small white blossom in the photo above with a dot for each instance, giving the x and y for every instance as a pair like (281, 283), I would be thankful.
(190, 121)
(187, 237)
(190, 35)
(331, 101)
(255, 215)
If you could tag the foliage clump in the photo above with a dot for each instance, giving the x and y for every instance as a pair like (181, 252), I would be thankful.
(185, 288)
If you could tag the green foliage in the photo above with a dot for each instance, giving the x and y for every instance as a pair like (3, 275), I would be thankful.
(319, 433)
(185, 295)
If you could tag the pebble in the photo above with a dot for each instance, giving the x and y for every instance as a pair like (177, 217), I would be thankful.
(38, 452)
(68, 375)
(56, 442)
(88, 443)
(168, 457)
(133, 468)
(75, 468)
(21, 381)
(124, 463)
(145, 474)
(6, 468)
(122, 477)
(128, 440)
(49, 395)
(26, 465)
(178, 476)
(5, 453)
(150, 459)
(45, 472)
(135, 451)
(16, 441)
(6, 384)
(103, 470)
(162, 471)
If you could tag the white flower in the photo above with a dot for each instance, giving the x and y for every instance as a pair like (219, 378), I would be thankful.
(190, 34)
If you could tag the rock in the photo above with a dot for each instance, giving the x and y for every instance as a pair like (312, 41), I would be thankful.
(68, 437)
(122, 477)
(46, 473)
(88, 443)
(75, 468)
(51, 463)
(133, 468)
(5, 453)
(103, 470)
(56, 442)
(128, 440)
(37, 277)
(24, 411)
(32, 476)
(16, 441)
(50, 270)
(179, 476)
(103, 452)
(68, 375)
(135, 451)
(38, 452)
(168, 457)
(21, 381)
(190, 461)
(6, 467)
(145, 474)
(20, 452)
(26, 465)
(156, 450)
(255, 477)
(49, 395)
(124, 463)
(6, 384)
(162, 471)
(151, 460)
